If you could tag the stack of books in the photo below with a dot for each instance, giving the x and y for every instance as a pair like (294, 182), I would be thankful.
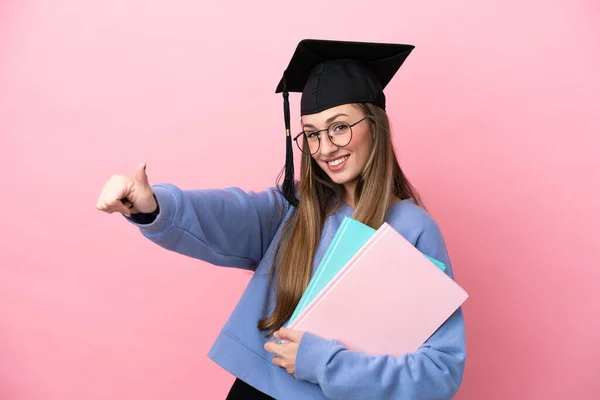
(375, 292)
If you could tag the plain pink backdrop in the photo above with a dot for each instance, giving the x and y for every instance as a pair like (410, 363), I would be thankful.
(496, 122)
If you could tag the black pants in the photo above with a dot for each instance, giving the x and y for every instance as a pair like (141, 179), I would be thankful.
(240, 390)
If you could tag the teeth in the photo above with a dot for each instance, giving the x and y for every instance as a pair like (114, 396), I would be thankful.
(338, 161)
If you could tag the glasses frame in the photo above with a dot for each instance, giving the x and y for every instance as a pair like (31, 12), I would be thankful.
(328, 136)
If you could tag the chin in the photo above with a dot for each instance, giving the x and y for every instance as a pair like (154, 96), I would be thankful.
(341, 179)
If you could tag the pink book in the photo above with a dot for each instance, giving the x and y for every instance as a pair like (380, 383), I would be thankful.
(388, 299)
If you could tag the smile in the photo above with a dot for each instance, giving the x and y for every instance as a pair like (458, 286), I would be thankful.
(338, 161)
(338, 164)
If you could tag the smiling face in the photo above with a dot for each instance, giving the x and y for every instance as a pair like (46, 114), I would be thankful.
(342, 164)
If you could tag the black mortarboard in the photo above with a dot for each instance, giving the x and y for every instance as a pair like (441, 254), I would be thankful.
(330, 73)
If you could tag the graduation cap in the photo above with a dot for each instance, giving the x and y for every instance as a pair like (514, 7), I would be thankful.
(330, 73)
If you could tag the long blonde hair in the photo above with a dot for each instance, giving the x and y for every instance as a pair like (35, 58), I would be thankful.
(381, 182)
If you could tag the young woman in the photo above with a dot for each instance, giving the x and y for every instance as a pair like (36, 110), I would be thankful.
(349, 168)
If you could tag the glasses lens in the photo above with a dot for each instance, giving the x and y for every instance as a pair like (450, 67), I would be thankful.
(308, 143)
(340, 134)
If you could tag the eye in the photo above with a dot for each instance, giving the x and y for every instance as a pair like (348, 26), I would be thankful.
(311, 135)
(340, 128)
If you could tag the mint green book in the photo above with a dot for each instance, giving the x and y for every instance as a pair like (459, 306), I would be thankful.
(348, 239)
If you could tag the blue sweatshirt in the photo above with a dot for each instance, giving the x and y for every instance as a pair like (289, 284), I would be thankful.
(234, 228)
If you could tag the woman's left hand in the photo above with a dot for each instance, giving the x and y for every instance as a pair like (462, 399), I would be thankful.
(285, 353)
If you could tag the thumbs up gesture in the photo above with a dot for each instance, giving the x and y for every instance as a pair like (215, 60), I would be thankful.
(127, 195)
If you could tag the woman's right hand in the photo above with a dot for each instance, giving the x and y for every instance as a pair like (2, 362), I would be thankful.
(127, 195)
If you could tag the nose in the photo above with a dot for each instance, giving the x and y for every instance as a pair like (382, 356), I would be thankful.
(327, 148)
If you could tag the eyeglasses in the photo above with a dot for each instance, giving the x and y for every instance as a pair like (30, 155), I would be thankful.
(339, 133)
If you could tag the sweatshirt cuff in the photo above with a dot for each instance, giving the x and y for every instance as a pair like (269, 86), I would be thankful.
(168, 209)
(313, 353)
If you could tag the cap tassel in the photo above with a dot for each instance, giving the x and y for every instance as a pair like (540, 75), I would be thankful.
(289, 191)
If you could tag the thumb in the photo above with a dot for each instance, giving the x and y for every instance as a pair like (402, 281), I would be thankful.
(140, 175)
(289, 334)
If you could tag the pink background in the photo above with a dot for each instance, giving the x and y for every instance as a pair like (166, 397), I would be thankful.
(496, 120)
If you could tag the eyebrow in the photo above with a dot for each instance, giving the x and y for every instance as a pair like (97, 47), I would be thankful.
(328, 121)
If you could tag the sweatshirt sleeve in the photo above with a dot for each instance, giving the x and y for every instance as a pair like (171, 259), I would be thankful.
(225, 227)
(434, 371)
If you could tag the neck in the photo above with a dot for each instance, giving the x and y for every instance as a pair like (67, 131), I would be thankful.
(349, 191)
